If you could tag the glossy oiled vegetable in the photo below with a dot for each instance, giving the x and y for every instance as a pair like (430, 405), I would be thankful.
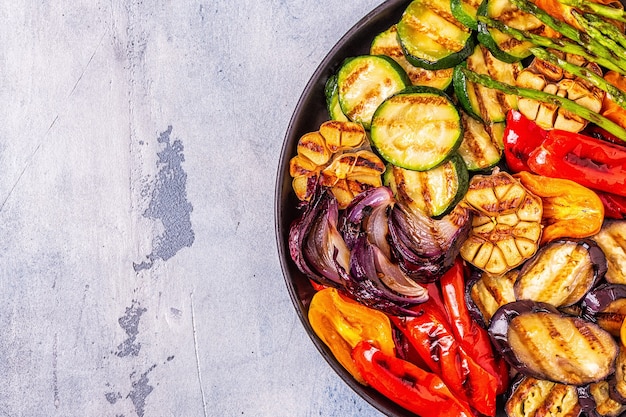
(433, 192)
(426, 247)
(533, 397)
(387, 43)
(561, 273)
(506, 226)
(338, 156)
(544, 76)
(612, 240)
(486, 293)
(407, 385)
(418, 128)
(539, 341)
(431, 37)
(342, 323)
(606, 305)
(365, 81)
(569, 209)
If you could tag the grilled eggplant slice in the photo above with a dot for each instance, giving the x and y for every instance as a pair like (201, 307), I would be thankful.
(539, 341)
(606, 305)
(533, 397)
(487, 293)
(561, 273)
(617, 383)
(612, 240)
(603, 404)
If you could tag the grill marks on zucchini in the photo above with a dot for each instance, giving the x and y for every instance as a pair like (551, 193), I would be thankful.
(388, 44)
(364, 82)
(417, 129)
(434, 192)
(486, 104)
(431, 37)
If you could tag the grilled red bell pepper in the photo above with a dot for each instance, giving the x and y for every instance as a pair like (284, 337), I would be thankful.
(614, 205)
(521, 136)
(431, 335)
(418, 391)
(588, 161)
(472, 337)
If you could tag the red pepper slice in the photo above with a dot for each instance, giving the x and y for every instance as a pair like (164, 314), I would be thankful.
(418, 391)
(521, 136)
(614, 205)
(472, 337)
(588, 161)
(432, 337)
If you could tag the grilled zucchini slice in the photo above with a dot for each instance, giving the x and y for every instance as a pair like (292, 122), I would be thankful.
(332, 100)
(501, 45)
(387, 43)
(365, 81)
(432, 37)
(434, 192)
(486, 104)
(465, 12)
(482, 146)
(418, 128)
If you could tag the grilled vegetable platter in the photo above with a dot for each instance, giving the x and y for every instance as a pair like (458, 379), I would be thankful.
(451, 208)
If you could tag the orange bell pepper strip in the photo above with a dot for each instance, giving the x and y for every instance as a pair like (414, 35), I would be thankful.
(341, 323)
(569, 209)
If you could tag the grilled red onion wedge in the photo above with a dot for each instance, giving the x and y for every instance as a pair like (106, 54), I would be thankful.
(315, 244)
(539, 341)
(427, 247)
(531, 397)
(561, 273)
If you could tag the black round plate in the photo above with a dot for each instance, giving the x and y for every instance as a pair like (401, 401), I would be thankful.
(309, 114)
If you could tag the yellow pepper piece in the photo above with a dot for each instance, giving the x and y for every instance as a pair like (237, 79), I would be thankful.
(569, 209)
(342, 323)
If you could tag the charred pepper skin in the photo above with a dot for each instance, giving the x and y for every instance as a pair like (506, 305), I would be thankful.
(415, 389)
(583, 159)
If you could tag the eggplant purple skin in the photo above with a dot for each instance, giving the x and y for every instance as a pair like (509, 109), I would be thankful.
(596, 257)
(472, 308)
(499, 326)
(600, 298)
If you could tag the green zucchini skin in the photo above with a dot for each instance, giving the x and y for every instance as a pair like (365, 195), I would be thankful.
(431, 37)
(485, 104)
(434, 192)
(418, 128)
(332, 100)
(465, 12)
(485, 36)
(482, 145)
(364, 82)
(387, 43)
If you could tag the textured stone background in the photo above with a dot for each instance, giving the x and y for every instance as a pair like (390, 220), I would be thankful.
(139, 142)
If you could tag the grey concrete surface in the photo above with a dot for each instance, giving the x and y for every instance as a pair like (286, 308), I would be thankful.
(139, 142)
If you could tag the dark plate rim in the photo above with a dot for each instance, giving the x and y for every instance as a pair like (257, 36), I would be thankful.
(350, 44)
